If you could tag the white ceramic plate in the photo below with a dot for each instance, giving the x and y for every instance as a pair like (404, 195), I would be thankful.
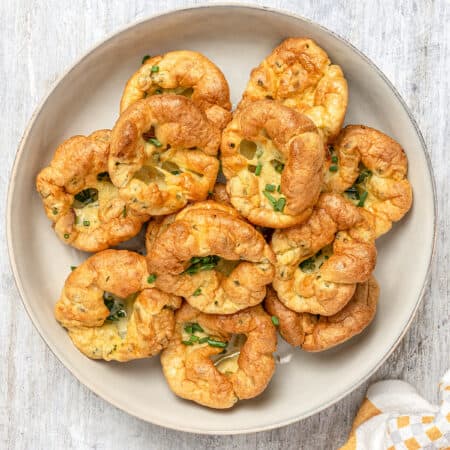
(237, 38)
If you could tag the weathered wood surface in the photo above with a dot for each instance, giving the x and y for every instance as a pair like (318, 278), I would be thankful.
(41, 405)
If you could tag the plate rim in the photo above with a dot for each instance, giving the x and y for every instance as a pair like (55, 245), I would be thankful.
(21, 148)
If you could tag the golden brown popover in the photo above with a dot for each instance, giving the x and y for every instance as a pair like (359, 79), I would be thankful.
(320, 262)
(87, 210)
(272, 158)
(207, 254)
(163, 154)
(196, 367)
(299, 74)
(315, 333)
(182, 72)
(371, 169)
(112, 310)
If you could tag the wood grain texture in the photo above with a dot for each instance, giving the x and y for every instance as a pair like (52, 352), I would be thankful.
(41, 405)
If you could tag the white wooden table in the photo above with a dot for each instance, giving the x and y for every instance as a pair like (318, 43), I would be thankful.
(42, 406)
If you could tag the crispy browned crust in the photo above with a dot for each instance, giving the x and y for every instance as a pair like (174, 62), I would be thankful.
(206, 229)
(191, 373)
(74, 167)
(299, 74)
(317, 333)
(186, 138)
(328, 289)
(280, 134)
(182, 71)
(390, 193)
(82, 311)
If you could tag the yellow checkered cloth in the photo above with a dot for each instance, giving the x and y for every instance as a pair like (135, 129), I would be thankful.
(394, 416)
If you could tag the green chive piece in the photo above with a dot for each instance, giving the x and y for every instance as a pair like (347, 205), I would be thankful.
(200, 264)
(196, 327)
(124, 212)
(269, 197)
(362, 199)
(145, 58)
(86, 196)
(72, 268)
(155, 69)
(188, 329)
(66, 236)
(155, 142)
(275, 320)
(333, 168)
(280, 204)
(334, 159)
(258, 169)
(175, 172)
(86, 223)
(158, 91)
(151, 278)
(279, 189)
(270, 187)
(55, 211)
(203, 340)
(197, 292)
(353, 192)
(187, 342)
(214, 343)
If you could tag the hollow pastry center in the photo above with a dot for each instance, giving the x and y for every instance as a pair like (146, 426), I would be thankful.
(162, 162)
(156, 89)
(120, 310)
(226, 362)
(358, 193)
(203, 263)
(315, 262)
(266, 163)
(87, 202)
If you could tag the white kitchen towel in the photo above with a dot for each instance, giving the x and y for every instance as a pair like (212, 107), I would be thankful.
(394, 416)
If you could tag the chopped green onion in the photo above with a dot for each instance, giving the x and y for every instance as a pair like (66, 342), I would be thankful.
(66, 236)
(363, 175)
(187, 342)
(158, 91)
(155, 142)
(72, 268)
(362, 199)
(214, 343)
(270, 187)
(258, 169)
(203, 340)
(196, 327)
(151, 278)
(155, 69)
(280, 204)
(334, 159)
(175, 172)
(188, 329)
(333, 168)
(145, 58)
(275, 320)
(200, 264)
(269, 197)
(197, 292)
(55, 211)
(124, 212)
(353, 192)
(279, 189)
(86, 223)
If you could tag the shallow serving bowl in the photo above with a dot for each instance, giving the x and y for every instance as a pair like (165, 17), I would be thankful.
(87, 97)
